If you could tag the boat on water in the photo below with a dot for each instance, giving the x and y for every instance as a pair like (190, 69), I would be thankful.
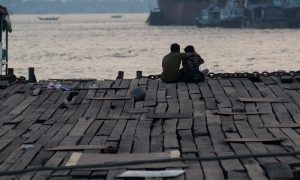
(48, 18)
(227, 13)
(116, 16)
(230, 16)
(178, 12)
(252, 15)
(265, 16)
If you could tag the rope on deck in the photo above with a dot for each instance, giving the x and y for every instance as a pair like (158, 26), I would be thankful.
(127, 163)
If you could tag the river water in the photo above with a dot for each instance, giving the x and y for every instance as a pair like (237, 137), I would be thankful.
(98, 46)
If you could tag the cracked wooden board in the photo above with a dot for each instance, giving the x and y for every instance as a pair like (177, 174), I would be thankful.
(136, 110)
(274, 140)
(167, 115)
(240, 113)
(278, 100)
(92, 158)
(111, 98)
(280, 126)
(78, 147)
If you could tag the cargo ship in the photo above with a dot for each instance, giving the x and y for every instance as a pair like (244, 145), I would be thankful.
(180, 12)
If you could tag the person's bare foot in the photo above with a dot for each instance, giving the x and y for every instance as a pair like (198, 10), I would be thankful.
(205, 71)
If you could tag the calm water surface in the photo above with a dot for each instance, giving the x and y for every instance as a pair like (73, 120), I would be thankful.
(97, 46)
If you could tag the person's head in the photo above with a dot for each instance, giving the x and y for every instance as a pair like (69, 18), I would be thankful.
(189, 49)
(175, 48)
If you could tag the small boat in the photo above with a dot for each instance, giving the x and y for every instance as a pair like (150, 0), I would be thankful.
(116, 16)
(48, 18)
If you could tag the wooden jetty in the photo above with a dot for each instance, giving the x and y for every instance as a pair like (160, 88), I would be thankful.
(218, 117)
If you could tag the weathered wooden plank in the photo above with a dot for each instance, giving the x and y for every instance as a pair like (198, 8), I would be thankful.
(167, 115)
(106, 84)
(94, 127)
(294, 111)
(87, 158)
(111, 98)
(117, 131)
(225, 82)
(15, 144)
(77, 147)
(219, 94)
(5, 142)
(193, 88)
(161, 95)
(246, 131)
(278, 171)
(282, 114)
(171, 91)
(141, 142)
(212, 169)
(23, 105)
(151, 93)
(187, 143)
(137, 110)
(127, 137)
(26, 158)
(37, 134)
(182, 92)
(205, 90)
(232, 93)
(211, 103)
(254, 170)
(81, 126)
(185, 106)
(240, 113)
(116, 109)
(281, 125)
(143, 81)
(277, 100)
(292, 134)
(54, 161)
(56, 139)
(170, 136)
(253, 140)
(156, 144)
(107, 128)
(195, 170)
(5, 128)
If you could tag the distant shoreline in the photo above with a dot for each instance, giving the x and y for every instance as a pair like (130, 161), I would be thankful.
(54, 13)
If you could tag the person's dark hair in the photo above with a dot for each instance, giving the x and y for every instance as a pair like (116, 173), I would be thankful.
(189, 49)
(175, 47)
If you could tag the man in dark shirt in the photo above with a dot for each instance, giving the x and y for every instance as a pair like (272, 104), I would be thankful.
(191, 65)
(171, 64)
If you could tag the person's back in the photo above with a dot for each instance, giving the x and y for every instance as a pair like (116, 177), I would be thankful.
(171, 64)
(191, 66)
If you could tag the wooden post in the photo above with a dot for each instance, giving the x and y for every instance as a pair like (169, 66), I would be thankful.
(6, 46)
(120, 75)
(31, 75)
(139, 74)
(1, 26)
(10, 71)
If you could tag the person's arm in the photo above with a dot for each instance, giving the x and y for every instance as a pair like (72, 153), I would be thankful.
(182, 55)
(200, 59)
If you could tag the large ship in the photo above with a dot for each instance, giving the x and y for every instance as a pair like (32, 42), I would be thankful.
(179, 12)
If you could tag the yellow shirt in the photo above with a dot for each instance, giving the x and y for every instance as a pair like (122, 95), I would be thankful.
(170, 65)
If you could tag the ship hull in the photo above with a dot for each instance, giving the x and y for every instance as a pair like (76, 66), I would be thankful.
(180, 12)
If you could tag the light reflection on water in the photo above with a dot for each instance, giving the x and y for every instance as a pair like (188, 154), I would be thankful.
(97, 46)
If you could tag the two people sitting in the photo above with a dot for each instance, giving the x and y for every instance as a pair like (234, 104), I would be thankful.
(191, 62)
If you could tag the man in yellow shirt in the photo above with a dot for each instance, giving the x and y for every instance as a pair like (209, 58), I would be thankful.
(171, 64)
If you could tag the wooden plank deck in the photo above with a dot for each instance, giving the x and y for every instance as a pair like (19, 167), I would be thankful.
(218, 117)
